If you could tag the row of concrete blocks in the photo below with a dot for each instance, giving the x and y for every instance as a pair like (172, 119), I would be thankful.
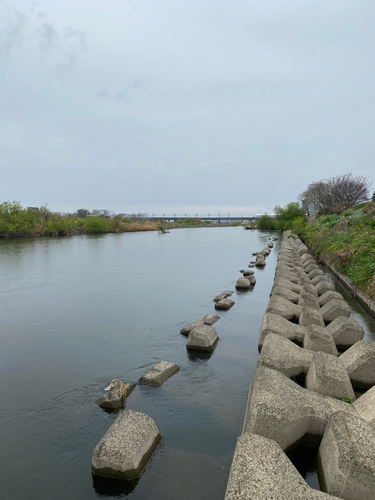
(281, 415)
(129, 443)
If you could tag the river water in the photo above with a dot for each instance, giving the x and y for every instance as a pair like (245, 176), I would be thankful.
(78, 312)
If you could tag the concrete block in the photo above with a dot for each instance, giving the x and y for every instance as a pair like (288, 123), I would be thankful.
(210, 319)
(283, 355)
(347, 458)
(190, 327)
(162, 371)
(286, 293)
(282, 307)
(116, 396)
(242, 284)
(323, 286)
(326, 297)
(306, 299)
(345, 332)
(203, 338)
(223, 295)
(327, 376)
(334, 309)
(317, 339)
(279, 281)
(274, 323)
(315, 272)
(126, 447)
(365, 407)
(310, 316)
(281, 410)
(224, 304)
(261, 471)
(359, 362)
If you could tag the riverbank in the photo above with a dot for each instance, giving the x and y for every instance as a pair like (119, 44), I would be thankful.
(312, 358)
(346, 243)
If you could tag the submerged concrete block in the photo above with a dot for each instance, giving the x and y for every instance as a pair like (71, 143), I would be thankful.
(161, 371)
(251, 278)
(282, 307)
(117, 395)
(281, 410)
(347, 458)
(248, 272)
(126, 447)
(334, 309)
(261, 471)
(327, 376)
(202, 338)
(359, 362)
(223, 295)
(283, 355)
(242, 284)
(274, 323)
(317, 339)
(210, 319)
(190, 327)
(224, 304)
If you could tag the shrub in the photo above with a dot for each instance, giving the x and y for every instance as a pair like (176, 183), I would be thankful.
(60, 225)
(95, 225)
(298, 225)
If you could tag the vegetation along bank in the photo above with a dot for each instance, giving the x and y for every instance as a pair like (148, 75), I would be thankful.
(333, 219)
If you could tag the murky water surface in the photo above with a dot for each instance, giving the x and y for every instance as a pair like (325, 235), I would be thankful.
(78, 312)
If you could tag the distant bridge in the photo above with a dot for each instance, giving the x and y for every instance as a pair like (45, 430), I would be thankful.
(216, 218)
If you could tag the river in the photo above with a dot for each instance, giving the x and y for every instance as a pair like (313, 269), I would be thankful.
(78, 312)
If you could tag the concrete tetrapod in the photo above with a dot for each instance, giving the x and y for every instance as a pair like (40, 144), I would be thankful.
(126, 447)
(261, 471)
(317, 339)
(345, 332)
(327, 375)
(274, 323)
(284, 356)
(281, 410)
(347, 458)
(359, 362)
(334, 309)
(281, 306)
(158, 374)
(286, 293)
(365, 407)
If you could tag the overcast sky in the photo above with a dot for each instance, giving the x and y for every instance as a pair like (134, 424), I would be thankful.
(183, 106)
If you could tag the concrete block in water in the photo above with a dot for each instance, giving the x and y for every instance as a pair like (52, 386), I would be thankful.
(347, 458)
(126, 447)
(224, 304)
(202, 338)
(242, 284)
(359, 362)
(117, 395)
(160, 372)
(327, 376)
(222, 296)
(261, 471)
(190, 327)
(210, 319)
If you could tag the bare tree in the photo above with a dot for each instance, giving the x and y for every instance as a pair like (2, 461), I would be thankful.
(335, 194)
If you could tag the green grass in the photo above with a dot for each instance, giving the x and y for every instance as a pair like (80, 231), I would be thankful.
(351, 251)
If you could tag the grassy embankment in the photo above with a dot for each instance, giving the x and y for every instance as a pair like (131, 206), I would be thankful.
(16, 221)
(348, 242)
